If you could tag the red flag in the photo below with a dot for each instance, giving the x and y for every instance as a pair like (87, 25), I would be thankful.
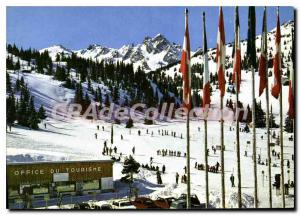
(237, 51)
(263, 57)
(206, 86)
(277, 62)
(185, 67)
(221, 54)
(291, 111)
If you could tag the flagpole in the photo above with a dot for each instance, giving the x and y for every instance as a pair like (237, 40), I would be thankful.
(221, 80)
(268, 137)
(251, 53)
(281, 148)
(205, 111)
(238, 146)
(206, 162)
(254, 138)
(268, 126)
(112, 133)
(237, 126)
(188, 161)
(188, 139)
(281, 133)
(222, 156)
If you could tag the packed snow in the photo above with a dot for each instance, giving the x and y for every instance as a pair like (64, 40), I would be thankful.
(73, 139)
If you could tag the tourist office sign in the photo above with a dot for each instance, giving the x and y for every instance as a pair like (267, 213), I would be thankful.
(46, 172)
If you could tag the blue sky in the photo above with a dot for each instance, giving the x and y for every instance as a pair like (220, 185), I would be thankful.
(77, 27)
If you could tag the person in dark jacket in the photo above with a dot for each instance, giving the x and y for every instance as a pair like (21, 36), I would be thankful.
(232, 180)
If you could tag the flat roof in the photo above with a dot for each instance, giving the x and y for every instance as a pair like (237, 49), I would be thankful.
(58, 162)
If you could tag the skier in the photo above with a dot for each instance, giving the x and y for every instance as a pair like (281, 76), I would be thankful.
(121, 137)
(163, 169)
(115, 149)
(95, 135)
(288, 164)
(158, 176)
(217, 166)
(151, 160)
(139, 132)
(133, 150)
(97, 127)
(184, 170)
(177, 177)
(147, 131)
(105, 143)
(102, 128)
(196, 164)
(45, 125)
(232, 180)
(152, 134)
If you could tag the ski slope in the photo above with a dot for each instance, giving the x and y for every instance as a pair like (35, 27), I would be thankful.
(74, 139)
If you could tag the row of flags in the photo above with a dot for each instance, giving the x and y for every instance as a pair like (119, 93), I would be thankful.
(220, 57)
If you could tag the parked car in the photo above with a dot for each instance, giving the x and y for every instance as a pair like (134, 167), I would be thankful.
(178, 204)
(164, 203)
(181, 203)
(82, 206)
(144, 203)
(101, 205)
(194, 199)
(123, 204)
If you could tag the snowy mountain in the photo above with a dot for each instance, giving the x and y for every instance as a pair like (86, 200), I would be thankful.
(57, 49)
(286, 49)
(151, 54)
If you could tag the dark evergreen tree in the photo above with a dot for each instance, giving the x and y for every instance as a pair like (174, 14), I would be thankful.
(42, 113)
(33, 119)
(60, 74)
(260, 119)
(10, 109)
(17, 66)
(107, 102)
(130, 167)
(8, 83)
(289, 125)
(129, 123)
(22, 111)
(9, 63)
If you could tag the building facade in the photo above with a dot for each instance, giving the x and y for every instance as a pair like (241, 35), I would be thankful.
(55, 178)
